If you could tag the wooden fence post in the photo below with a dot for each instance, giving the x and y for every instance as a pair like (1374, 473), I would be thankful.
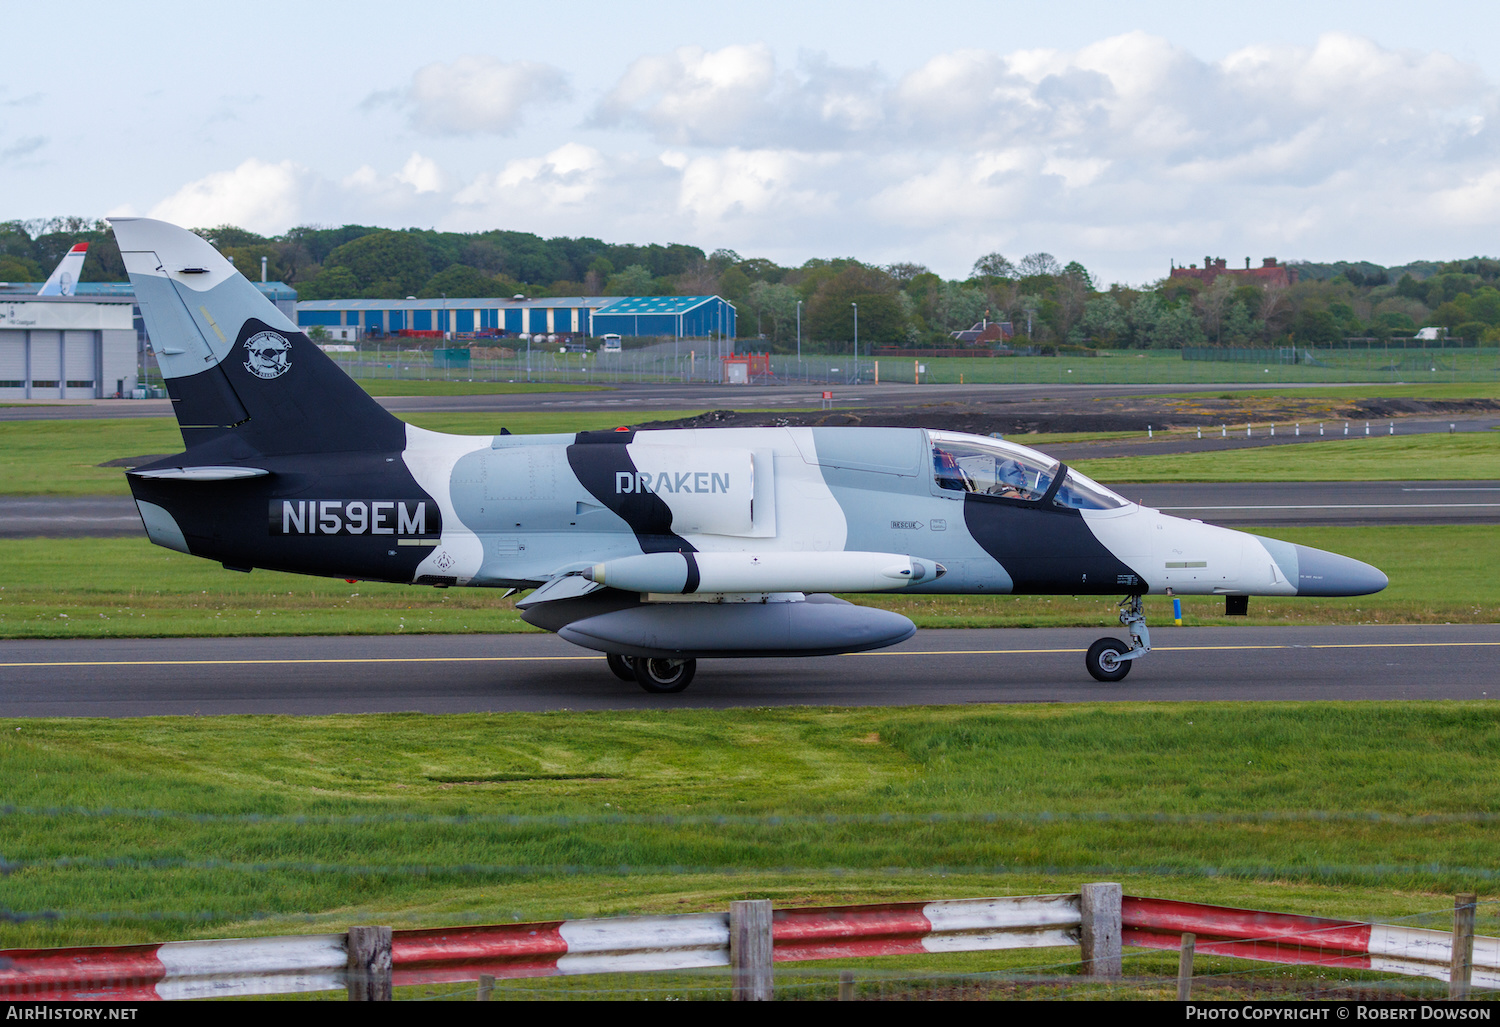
(750, 951)
(1185, 968)
(369, 964)
(1099, 938)
(1461, 966)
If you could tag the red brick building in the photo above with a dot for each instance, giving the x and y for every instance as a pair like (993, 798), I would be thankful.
(1269, 273)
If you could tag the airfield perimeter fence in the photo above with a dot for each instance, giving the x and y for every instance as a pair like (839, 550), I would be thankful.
(1387, 361)
(1096, 942)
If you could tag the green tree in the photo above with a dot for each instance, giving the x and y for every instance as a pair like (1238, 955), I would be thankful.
(830, 316)
(385, 264)
(457, 280)
(1103, 321)
(1315, 328)
(774, 309)
(334, 283)
(635, 280)
(994, 265)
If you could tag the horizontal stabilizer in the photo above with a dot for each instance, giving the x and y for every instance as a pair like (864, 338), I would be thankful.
(202, 473)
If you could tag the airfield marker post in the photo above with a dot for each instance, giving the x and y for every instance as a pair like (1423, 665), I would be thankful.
(750, 951)
(1461, 967)
(1100, 907)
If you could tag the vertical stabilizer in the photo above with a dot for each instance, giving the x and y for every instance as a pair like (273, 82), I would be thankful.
(64, 278)
(235, 367)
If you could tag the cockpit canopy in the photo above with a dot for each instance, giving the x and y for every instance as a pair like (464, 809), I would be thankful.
(992, 467)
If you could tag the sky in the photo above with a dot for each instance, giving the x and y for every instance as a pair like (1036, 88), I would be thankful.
(1121, 135)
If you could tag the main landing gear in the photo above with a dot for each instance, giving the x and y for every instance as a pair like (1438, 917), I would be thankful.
(653, 674)
(1109, 659)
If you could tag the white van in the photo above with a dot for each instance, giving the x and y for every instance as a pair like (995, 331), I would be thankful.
(611, 343)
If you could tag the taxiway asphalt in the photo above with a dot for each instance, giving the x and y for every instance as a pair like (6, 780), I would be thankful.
(535, 672)
(676, 396)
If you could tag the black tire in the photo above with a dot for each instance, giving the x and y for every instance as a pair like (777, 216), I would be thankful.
(621, 665)
(1103, 660)
(663, 676)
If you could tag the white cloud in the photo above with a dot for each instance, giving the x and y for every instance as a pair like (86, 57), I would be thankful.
(257, 195)
(568, 176)
(421, 173)
(1123, 154)
(480, 94)
(742, 183)
(736, 96)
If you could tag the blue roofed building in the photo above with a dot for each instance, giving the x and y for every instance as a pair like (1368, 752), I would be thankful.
(457, 316)
(682, 317)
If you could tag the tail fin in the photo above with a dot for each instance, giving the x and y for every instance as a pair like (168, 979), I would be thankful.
(64, 277)
(235, 367)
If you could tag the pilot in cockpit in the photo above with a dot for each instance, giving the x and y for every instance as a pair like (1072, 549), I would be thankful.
(947, 472)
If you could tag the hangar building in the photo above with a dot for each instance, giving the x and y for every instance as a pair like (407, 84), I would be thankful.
(686, 317)
(679, 316)
(66, 347)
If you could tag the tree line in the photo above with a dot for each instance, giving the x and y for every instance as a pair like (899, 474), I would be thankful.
(1046, 302)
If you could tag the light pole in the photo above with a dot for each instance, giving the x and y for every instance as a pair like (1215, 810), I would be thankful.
(856, 340)
(799, 336)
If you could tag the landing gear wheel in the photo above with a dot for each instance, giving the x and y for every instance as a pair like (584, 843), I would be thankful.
(1103, 660)
(621, 666)
(662, 676)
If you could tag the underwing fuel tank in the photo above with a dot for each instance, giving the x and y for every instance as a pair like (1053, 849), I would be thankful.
(684, 573)
(819, 625)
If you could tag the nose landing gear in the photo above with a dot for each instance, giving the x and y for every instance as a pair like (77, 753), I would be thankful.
(1109, 659)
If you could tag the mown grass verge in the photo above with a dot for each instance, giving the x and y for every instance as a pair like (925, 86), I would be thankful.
(1468, 457)
(159, 828)
(128, 588)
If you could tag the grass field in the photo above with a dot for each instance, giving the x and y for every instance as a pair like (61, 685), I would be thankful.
(1137, 367)
(1467, 457)
(1351, 393)
(137, 830)
(128, 588)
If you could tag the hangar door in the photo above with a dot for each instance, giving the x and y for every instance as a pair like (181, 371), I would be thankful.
(62, 364)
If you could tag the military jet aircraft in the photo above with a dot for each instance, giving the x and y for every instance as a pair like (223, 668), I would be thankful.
(658, 548)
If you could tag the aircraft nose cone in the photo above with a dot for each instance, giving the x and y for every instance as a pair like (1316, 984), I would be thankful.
(1321, 573)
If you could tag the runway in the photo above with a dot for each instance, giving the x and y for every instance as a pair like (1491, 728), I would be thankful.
(533, 672)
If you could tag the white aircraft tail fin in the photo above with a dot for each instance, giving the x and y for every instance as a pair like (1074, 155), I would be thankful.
(65, 277)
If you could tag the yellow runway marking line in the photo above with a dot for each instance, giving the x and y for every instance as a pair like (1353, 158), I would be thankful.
(556, 659)
(1187, 648)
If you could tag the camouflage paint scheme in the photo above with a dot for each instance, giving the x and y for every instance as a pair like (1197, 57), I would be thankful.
(289, 465)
